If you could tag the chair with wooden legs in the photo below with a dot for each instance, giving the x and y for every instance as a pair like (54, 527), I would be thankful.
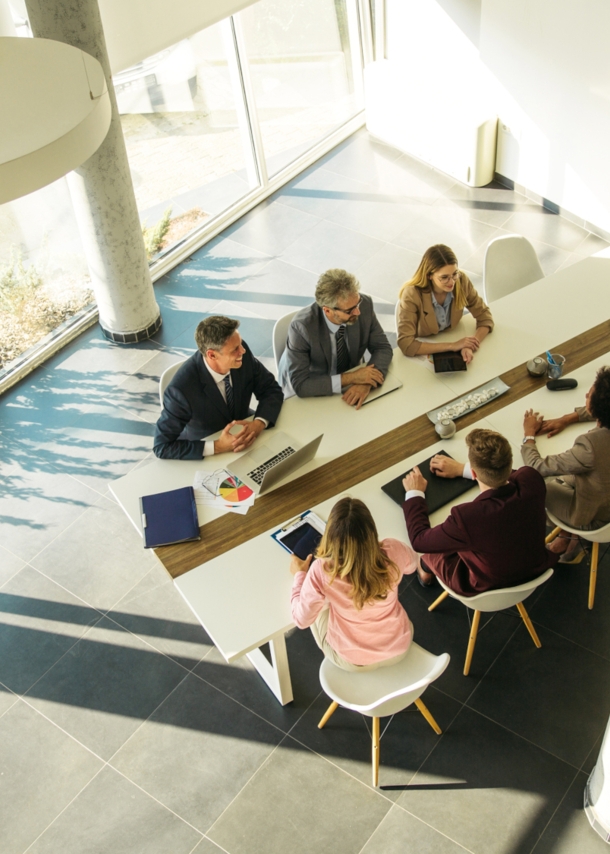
(382, 692)
(494, 600)
(596, 536)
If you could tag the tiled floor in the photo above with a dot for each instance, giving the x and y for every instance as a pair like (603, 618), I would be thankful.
(122, 730)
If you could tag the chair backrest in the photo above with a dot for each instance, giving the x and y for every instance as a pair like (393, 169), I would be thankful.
(596, 535)
(498, 600)
(396, 313)
(167, 376)
(511, 263)
(387, 690)
(280, 334)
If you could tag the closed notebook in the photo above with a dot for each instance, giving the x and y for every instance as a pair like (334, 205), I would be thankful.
(440, 490)
(169, 517)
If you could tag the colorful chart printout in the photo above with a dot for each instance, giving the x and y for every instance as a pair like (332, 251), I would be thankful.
(234, 491)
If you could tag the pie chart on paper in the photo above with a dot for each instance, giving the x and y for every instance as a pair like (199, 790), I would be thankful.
(234, 491)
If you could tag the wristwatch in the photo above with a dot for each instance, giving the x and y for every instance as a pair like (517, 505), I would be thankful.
(527, 439)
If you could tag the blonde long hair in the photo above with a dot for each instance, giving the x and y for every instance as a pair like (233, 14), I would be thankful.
(434, 258)
(351, 547)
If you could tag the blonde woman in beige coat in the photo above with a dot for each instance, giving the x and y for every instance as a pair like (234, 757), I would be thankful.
(434, 300)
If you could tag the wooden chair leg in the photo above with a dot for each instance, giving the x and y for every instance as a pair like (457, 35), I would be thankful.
(552, 535)
(593, 575)
(471, 641)
(375, 752)
(327, 714)
(438, 601)
(426, 713)
(528, 624)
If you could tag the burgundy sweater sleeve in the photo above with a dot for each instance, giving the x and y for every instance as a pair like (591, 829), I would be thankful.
(448, 537)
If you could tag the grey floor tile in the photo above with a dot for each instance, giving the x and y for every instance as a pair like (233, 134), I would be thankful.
(329, 245)
(100, 558)
(39, 622)
(551, 257)
(450, 226)
(112, 816)
(10, 565)
(591, 244)
(536, 223)
(280, 283)
(41, 771)
(569, 831)
(402, 833)
(320, 191)
(275, 811)
(346, 739)
(7, 699)
(481, 209)
(162, 618)
(105, 686)
(487, 789)
(196, 752)
(387, 270)
(271, 227)
(139, 393)
(559, 695)
(381, 219)
(206, 846)
(573, 258)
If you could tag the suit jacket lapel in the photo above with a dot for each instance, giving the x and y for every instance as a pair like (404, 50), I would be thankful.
(324, 338)
(353, 342)
(211, 392)
(429, 317)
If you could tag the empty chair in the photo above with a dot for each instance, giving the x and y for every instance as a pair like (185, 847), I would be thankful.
(511, 263)
(396, 313)
(495, 600)
(166, 378)
(596, 536)
(280, 334)
(382, 692)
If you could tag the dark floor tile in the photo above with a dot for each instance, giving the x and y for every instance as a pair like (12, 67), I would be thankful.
(242, 681)
(112, 816)
(569, 831)
(298, 802)
(271, 227)
(10, 565)
(99, 559)
(402, 833)
(41, 770)
(557, 697)
(197, 751)
(487, 789)
(39, 622)
(105, 686)
(330, 245)
(162, 618)
(589, 764)
(346, 741)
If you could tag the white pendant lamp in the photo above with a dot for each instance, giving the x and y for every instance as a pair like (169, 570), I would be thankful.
(54, 112)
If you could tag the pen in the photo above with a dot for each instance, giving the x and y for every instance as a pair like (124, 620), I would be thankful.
(550, 358)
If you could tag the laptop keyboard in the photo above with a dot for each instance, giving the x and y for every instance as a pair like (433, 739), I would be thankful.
(258, 473)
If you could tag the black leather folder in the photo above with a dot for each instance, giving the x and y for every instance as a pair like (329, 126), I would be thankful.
(440, 490)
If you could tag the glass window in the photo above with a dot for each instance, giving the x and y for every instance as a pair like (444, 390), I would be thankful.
(306, 72)
(185, 129)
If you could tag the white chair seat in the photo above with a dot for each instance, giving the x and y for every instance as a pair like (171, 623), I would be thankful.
(510, 264)
(280, 335)
(595, 536)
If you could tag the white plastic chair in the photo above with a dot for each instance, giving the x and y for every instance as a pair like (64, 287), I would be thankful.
(597, 536)
(396, 314)
(280, 335)
(382, 692)
(510, 263)
(495, 600)
(167, 376)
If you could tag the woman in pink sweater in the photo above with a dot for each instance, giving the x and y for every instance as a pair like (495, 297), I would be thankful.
(349, 594)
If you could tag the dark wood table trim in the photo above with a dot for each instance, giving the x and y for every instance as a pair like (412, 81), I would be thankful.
(344, 472)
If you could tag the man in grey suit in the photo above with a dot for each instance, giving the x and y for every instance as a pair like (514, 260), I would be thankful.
(327, 341)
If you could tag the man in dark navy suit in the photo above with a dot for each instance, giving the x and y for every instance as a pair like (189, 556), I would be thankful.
(212, 392)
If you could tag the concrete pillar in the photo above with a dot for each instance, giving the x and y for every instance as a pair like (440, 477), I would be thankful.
(102, 190)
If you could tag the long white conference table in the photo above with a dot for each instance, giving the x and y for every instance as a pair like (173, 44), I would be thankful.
(242, 597)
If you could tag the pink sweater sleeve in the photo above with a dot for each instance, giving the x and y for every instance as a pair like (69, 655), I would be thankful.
(308, 597)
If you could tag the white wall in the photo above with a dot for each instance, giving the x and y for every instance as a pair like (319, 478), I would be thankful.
(543, 66)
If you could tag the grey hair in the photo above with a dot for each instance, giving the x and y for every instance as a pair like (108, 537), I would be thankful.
(335, 285)
(213, 332)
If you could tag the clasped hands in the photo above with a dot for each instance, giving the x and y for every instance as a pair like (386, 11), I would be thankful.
(361, 381)
(228, 442)
(439, 465)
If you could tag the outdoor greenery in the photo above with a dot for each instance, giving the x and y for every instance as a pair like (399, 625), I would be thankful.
(154, 236)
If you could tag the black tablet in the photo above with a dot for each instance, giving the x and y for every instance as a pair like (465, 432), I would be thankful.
(447, 362)
(302, 541)
(440, 490)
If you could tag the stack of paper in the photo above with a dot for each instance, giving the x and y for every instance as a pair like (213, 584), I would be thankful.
(223, 490)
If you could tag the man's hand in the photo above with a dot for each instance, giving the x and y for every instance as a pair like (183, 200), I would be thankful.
(532, 422)
(298, 565)
(470, 342)
(415, 480)
(355, 395)
(225, 440)
(467, 355)
(243, 440)
(446, 467)
(556, 425)
(364, 375)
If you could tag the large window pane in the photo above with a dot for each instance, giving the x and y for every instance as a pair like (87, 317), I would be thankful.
(185, 128)
(304, 60)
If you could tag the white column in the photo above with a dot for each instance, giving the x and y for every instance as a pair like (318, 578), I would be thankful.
(102, 190)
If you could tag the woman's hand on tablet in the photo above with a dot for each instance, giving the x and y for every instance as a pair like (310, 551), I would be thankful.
(298, 565)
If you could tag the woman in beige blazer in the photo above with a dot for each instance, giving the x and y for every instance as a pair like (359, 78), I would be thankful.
(577, 481)
(435, 299)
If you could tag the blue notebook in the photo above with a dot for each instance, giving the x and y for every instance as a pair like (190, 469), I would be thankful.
(169, 517)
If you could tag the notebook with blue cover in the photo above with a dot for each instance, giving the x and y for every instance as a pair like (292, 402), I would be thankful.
(169, 517)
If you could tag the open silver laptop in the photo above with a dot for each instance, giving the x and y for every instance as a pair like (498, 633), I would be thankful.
(390, 384)
(266, 464)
